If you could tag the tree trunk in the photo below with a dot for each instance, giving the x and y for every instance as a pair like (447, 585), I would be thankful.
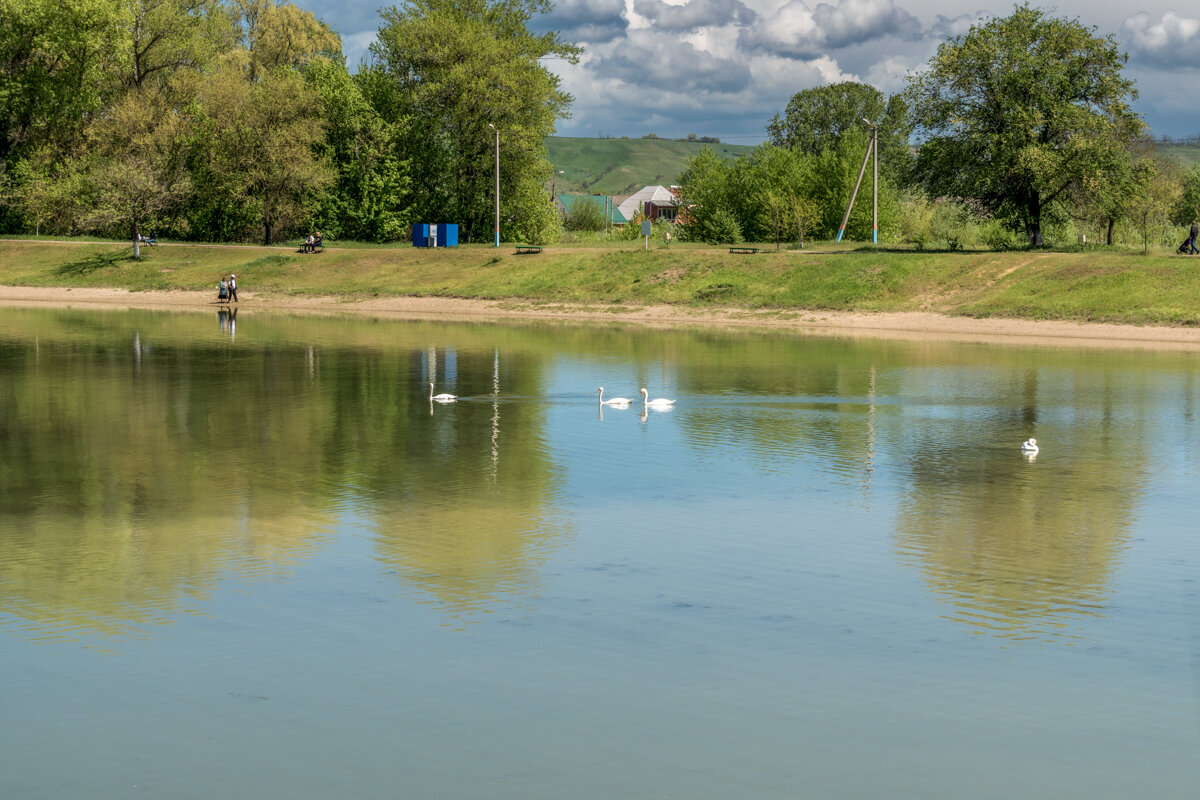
(1033, 219)
(1108, 237)
(137, 242)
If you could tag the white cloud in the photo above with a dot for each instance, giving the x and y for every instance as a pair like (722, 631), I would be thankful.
(1173, 41)
(798, 31)
(694, 14)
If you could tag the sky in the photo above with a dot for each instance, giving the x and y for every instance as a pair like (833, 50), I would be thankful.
(724, 68)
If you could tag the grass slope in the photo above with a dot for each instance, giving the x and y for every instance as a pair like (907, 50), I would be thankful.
(622, 166)
(1093, 285)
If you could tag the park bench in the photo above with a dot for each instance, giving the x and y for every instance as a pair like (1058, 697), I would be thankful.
(528, 249)
(749, 251)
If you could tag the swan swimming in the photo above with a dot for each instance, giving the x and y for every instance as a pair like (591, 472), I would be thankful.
(658, 402)
(441, 398)
(1029, 446)
(616, 402)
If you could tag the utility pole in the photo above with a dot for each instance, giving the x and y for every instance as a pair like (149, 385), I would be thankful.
(872, 147)
(874, 184)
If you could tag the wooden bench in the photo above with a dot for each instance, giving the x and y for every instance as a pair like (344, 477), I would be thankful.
(528, 249)
(749, 251)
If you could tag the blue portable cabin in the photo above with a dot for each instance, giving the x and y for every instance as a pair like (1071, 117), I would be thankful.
(442, 234)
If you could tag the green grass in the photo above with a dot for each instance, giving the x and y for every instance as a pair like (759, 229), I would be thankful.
(622, 166)
(1086, 285)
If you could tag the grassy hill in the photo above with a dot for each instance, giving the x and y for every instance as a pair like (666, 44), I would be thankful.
(622, 166)
(1186, 153)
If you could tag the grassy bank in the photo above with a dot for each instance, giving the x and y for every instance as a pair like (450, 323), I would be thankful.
(1094, 285)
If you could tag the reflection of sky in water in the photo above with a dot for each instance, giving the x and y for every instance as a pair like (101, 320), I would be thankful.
(828, 554)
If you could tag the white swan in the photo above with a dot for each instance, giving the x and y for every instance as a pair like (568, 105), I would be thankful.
(1029, 446)
(658, 402)
(441, 398)
(616, 402)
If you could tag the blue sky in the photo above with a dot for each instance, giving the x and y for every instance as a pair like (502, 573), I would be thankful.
(725, 67)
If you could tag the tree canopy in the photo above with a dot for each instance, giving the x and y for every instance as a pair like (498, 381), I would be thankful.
(454, 69)
(1020, 112)
(818, 119)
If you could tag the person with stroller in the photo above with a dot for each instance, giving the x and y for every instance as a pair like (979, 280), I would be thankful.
(1195, 231)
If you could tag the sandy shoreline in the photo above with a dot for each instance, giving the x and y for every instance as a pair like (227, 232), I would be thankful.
(902, 325)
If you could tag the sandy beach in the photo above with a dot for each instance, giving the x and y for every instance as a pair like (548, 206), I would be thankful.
(903, 325)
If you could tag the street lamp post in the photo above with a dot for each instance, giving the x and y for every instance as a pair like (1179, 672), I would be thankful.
(497, 130)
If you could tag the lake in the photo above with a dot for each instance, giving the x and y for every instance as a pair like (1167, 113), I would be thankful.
(248, 558)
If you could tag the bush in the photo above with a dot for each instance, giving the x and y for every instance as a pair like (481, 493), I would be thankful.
(584, 214)
(998, 236)
(916, 219)
(953, 224)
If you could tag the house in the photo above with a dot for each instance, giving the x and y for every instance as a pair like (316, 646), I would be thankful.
(656, 203)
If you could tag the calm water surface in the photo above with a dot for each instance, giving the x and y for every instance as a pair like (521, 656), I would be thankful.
(249, 558)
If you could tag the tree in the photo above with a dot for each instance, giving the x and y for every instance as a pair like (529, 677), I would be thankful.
(457, 66)
(47, 191)
(1151, 206)
(169, 35)
(253, 157)
(817, 119)
(1187, 207)
(585, 214)
(1020, 111)
(53, 60)
(706, 192)
(137, 171)
(371, 197)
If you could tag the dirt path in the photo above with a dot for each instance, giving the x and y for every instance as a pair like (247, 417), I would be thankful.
(902, 325)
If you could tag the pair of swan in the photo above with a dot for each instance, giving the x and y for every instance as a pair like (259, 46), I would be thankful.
(1029, 446)
(624, 402)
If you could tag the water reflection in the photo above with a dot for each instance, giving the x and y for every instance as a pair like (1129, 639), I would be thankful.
(136, 480)
(1025, 544)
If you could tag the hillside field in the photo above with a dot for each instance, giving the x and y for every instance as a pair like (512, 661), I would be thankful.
(622, 166)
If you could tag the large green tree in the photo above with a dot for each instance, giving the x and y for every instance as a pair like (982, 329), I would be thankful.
(1020, 112)
(371, 197)
(454, 68)
(819, 118)
(253, 157)
(136, 174)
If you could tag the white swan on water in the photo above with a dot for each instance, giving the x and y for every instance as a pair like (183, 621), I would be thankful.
(658, 402)
(616, 402)
(441, 398)
(1029, 446)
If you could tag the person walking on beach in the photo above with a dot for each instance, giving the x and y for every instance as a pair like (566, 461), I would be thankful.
(222, 291)
(1195, 231)
(233, 288)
